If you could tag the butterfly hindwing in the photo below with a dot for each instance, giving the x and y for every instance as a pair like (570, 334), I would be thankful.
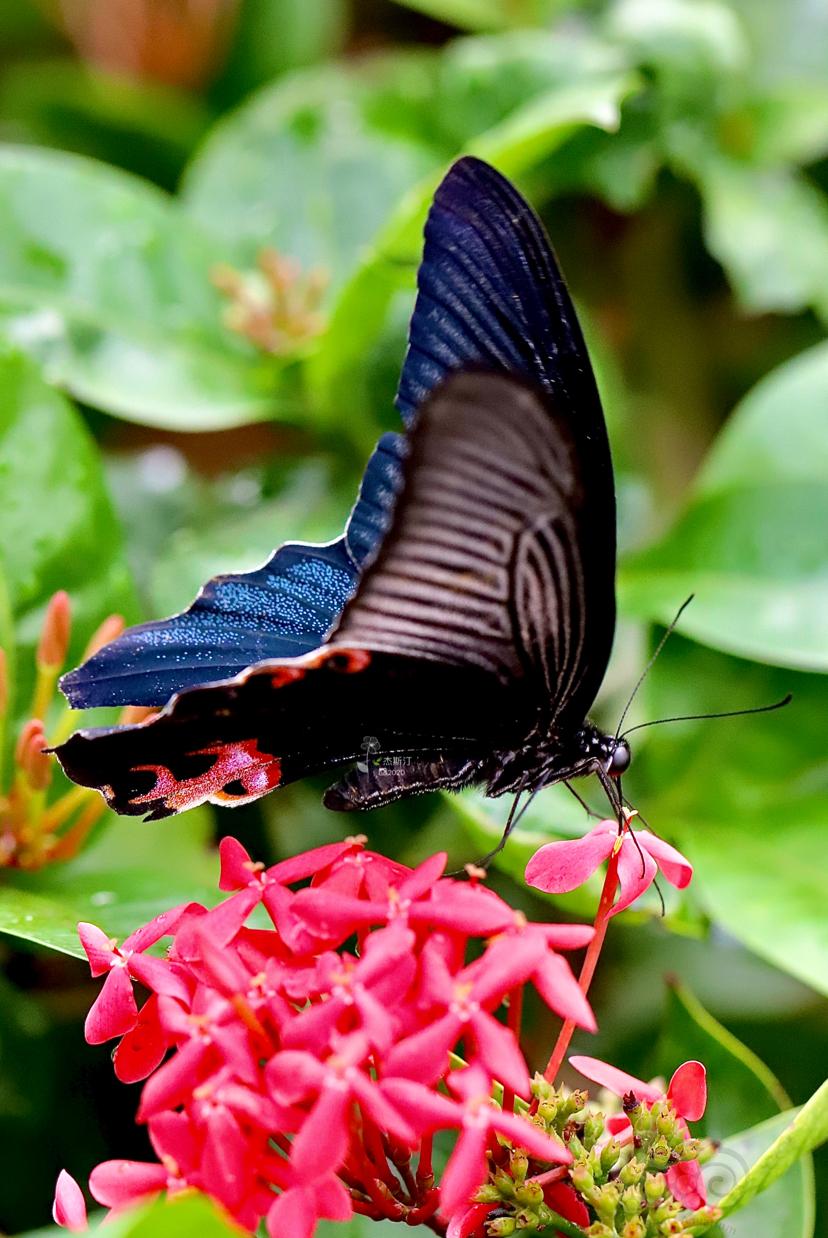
(279, 721)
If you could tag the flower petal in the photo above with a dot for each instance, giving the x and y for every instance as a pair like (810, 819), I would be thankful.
(466, 1169)
(293, 1212)
(676, 867)
(525, 1134)
(560, 990)
(687, 1184)
(565, 1200)
(426, 1111)
(99, 948)
(636, 873)
(499, 1052)
(114, 1010)
(614, 1080)
(69, 1208)
(143, 1047)
(462, 1224)
(424, 1056)
(319, 1148)
(237, 867)
(560, 867)
(688, 1091)
(116, 1184)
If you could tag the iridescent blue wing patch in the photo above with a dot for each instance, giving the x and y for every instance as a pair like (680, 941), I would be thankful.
(280, 610)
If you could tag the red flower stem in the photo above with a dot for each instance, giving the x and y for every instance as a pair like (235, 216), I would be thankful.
(513, 1020)
(593, 953)
(425, 1169)
(375, 1154)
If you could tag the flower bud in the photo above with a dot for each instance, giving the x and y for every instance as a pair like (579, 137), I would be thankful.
(606, 1202)
(610, 1154)
(655, 1187)
(634, 1228)
(660, 1154)
(581, 1176)
(487, 1194)
(108, 631)
(518, 1166)
(672, 1227)
(54, 637)
(632, 1173)
(527, 1219)
(501, 1227)
(593, 1129)
(631, 1201)
(529, 1193)
(504, 1185)
(708, 1215)
(599, 1230)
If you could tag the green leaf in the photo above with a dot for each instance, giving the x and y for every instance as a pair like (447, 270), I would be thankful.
(807, 1130)
(307, 510)
(272, 37)
(522, 140)
(741, 1089)
(553, 814)
(488, 14)
(142, 126)
(313, 164)
(118, 883)
(769, 229)
(744, 799)
(787, 1207)
(112, 294)
(57, 526)
(751, 543)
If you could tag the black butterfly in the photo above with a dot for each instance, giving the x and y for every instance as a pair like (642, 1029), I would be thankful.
(459, 630)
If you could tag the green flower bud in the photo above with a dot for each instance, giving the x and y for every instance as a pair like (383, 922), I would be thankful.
(634, 1228)
(609, 1155)
(660, 1154)
(529, 1193)
(582, 1177)
(542, 1089)
(667, 1211)
(708, 1215)
(518, 1166)
(593, 1128)
(606, 1202)
(631, 1201)
(599, 1230)
(655, 1187)
(527, 1218)
(501, 1227)
(504, 1184)
(671, 1227)
(488, 1194)
(632, 1173)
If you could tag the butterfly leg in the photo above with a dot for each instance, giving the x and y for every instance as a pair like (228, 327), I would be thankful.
(589, 811)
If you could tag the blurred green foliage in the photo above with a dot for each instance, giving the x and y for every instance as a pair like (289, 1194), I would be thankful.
(678, 150)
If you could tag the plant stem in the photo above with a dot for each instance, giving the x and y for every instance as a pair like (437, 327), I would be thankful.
(593, 953)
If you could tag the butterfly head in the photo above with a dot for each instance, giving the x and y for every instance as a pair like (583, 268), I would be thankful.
(618, 758)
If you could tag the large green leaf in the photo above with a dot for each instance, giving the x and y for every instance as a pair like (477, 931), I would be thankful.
(119, 883)
(742, 1091)
(57, 526)
(488, 14)
(524, 138)
(111, 291)
(742, 1094)
(313, 164)
(786, 1205)
(807, 1129)
(745, 799)
(751, 544)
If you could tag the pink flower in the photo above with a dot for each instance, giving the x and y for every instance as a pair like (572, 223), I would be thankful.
(562, 866)
(69, 1208)
(686, 1092)
(478, 1119)
(296, 1071)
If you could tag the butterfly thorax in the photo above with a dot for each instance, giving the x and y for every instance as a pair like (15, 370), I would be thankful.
(556, 757)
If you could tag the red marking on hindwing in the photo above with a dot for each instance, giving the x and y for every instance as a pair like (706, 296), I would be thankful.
(286, 674)
(242, 762)
(346, 661)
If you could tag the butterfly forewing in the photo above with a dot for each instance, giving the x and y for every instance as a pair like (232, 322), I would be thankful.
(490, 561)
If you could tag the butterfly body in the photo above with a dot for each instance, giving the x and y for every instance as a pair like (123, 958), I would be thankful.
(459, 630)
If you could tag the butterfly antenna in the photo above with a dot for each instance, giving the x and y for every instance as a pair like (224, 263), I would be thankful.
(660, 898)
(728, 713)
(652, 661)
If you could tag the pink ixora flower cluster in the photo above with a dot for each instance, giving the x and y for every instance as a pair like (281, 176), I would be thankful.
(295, 1045)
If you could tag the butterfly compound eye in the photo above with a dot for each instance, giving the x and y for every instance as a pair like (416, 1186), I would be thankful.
(620, 759)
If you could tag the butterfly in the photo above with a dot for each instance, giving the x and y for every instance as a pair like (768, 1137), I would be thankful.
(459, 630)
